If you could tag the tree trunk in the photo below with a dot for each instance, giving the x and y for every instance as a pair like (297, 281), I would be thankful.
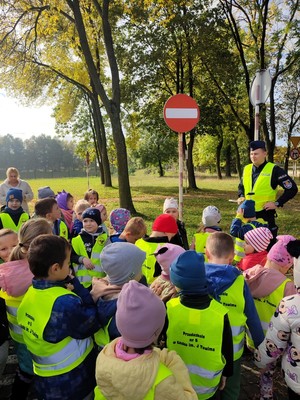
(189, 162)
(218, 159)
(238, 159)
(161, 171)
(228, 162)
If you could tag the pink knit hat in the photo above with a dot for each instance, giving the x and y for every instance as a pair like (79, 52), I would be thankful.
(140, 315)
(165, 254)
(278, 253)
(259, 238)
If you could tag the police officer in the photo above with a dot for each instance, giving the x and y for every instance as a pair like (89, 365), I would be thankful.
(259, 183)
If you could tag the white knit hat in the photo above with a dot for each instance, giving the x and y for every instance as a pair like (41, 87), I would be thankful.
(259, 238)
(211, 216)
(170, 202)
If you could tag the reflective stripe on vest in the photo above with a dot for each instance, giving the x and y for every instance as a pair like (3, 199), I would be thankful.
(262, 189)
(233, 299)
(239, 246)
(148, 267)
(12, 304)
(49, 359)
(162, 373)
(8, 223)
(198, 342)
(266, 306)
(200, 242)
(83, 274)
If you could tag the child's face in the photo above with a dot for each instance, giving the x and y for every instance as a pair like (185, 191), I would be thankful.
(70, 203)
(65, 269)
(104, 215)
(14, 204)
(79, 214)
(248, 248)
(92, 199)
(7, 243)
(173, 212)
(55, 213)
(90, 225)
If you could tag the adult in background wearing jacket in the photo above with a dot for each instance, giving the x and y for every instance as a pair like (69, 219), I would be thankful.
(261, 178)
(13, 181)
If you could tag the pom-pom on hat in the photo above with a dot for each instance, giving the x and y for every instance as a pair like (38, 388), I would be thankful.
(119, 218)
(279, 253)
(45, 192)
(121, 261)
(211, 216)
(249, 208)
(140, 315)
(259, 238)
(165, 223)
(257, 144)
(92, 213)
(170, 203)
(14, 194)
(187, 272)
(165, 254)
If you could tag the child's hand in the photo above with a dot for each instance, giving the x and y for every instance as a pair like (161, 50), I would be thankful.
(69, 286)
(88, 263)
(240, 213)
(222, 383)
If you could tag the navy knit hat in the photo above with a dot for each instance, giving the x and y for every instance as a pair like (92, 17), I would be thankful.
(249, 208)
(257, 144)
(187, 272)
(14, 194)
(92, 213)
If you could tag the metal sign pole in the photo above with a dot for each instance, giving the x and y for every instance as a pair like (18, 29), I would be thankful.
(180, 157)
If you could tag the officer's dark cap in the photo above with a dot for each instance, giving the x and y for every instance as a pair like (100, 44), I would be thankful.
(257, 144)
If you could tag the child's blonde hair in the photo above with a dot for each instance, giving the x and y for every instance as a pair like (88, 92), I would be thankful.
(220, 244)
(81, 205)
(6, 232)
(29, 230)
(136, 226)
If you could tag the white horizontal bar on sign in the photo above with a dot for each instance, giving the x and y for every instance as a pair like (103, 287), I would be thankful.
(181, 113)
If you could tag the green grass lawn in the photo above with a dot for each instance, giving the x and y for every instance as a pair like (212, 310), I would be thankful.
(149, 192)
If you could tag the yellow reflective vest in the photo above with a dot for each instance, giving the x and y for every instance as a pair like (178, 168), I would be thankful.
(262, 189)
(197, 335)
(266, 306)
(83, 274)
(49, 359)
(12, 304)
(148, 267)
(233, 299)
(8, 223)
(162, 373)
(239, 247)
(200, 242)
(63, 230)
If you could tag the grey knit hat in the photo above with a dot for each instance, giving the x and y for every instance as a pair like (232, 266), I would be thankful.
(121, 261)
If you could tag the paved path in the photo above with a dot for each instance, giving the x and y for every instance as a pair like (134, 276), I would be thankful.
(249, 380)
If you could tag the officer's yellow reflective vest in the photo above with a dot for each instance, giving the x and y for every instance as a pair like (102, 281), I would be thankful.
(262, 189)
(8, 223)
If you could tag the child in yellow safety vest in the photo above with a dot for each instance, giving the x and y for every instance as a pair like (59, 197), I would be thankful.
(130, 367)
(211, 218)
(268, 285)
(244, 222)
(198, 327)
(48, 208)
(13, 216)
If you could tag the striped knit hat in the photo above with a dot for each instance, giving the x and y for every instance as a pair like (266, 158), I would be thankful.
(259, 238)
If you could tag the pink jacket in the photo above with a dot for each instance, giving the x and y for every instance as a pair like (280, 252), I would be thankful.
(15, 277)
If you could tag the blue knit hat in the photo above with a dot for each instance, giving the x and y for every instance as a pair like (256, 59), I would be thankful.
(14, 194)
(92, 213)
(187, 272)
(249, 208)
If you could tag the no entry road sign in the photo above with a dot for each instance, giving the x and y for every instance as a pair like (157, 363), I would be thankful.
(181, 113)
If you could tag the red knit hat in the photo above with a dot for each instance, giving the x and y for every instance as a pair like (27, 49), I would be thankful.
(165, 223)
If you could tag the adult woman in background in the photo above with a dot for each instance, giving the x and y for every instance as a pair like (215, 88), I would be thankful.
(13, 181)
